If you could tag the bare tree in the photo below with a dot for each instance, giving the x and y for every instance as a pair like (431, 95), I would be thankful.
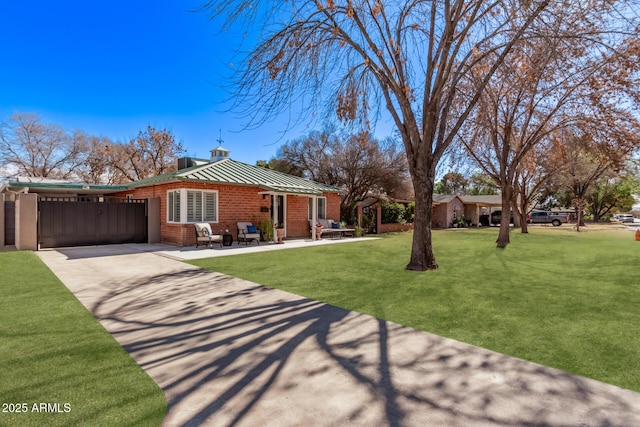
(533, 173)
(312, 155)
(546, 84)
(518, 110)
(152, 152)
(29, 147)
(97, 168)
(358, 163)
(408, 57)
(281, 165)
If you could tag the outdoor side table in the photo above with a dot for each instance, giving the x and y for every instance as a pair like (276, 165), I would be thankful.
(227, 239)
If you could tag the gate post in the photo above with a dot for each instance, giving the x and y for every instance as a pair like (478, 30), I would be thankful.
(27, 222)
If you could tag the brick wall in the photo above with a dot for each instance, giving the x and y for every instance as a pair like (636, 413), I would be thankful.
(235, 203)
(333, 206)
(298, 216)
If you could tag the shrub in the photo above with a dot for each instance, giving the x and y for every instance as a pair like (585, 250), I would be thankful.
(266, 230)
(409, 212)
(349, 214)
(392, 213)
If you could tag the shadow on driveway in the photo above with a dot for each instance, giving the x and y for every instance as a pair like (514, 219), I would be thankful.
(230, 352)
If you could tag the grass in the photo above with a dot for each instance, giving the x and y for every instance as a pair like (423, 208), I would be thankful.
(556, 297)
(55, 352)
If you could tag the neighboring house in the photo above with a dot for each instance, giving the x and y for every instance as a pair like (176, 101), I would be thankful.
(446, 208)
(220, 191)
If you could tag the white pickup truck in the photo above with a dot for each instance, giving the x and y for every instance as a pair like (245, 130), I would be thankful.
(545, 217)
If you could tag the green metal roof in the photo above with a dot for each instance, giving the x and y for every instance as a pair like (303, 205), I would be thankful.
(66, 186)
(41, 184)
(232, 172)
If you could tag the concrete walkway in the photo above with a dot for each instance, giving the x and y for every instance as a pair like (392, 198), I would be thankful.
(191, 252)
(230, 352)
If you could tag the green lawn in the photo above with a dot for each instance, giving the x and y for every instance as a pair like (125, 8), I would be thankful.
(54, 352)
(556, 297)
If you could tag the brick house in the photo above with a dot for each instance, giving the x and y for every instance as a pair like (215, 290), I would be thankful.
(223, 191)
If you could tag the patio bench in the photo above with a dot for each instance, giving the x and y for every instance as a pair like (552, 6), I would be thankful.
(330, 230)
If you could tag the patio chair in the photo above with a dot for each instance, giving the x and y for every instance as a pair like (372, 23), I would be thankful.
(204, 234)
(248, 232)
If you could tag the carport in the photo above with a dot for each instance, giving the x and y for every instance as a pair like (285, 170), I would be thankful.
(51, 213)
(475, 206)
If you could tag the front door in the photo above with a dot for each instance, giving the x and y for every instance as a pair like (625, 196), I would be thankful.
(279, 217)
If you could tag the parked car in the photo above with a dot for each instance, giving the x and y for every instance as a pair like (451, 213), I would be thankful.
(545, 217)
(625, 218)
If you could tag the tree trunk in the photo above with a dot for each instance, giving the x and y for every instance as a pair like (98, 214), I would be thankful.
(578, 219)
(524, 208)
(517, 215)
(503, 235)
(579, 204)
(581, 218)
(422, 257)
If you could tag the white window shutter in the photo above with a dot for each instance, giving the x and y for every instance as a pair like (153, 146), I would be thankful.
(211, 207)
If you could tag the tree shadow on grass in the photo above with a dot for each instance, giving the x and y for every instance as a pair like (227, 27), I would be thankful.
(230, 352)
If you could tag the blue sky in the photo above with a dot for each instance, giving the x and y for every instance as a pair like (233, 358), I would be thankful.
(112, 68)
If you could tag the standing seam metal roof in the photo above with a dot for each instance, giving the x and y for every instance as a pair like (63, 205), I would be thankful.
(229, 171)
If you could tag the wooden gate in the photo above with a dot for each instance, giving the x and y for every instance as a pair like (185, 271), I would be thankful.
(72, 221)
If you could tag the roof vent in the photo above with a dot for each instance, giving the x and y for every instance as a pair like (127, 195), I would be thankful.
(185, 162)
(219, 153)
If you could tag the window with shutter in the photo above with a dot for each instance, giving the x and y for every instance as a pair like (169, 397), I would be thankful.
(211, 207)
(173, 206)
(196, 206)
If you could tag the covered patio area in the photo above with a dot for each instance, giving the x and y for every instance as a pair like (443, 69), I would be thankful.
(475, 206)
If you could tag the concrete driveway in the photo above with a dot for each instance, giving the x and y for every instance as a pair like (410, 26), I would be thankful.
(230, 352)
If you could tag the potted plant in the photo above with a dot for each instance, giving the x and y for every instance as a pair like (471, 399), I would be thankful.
(280, 232)
(266, 230)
